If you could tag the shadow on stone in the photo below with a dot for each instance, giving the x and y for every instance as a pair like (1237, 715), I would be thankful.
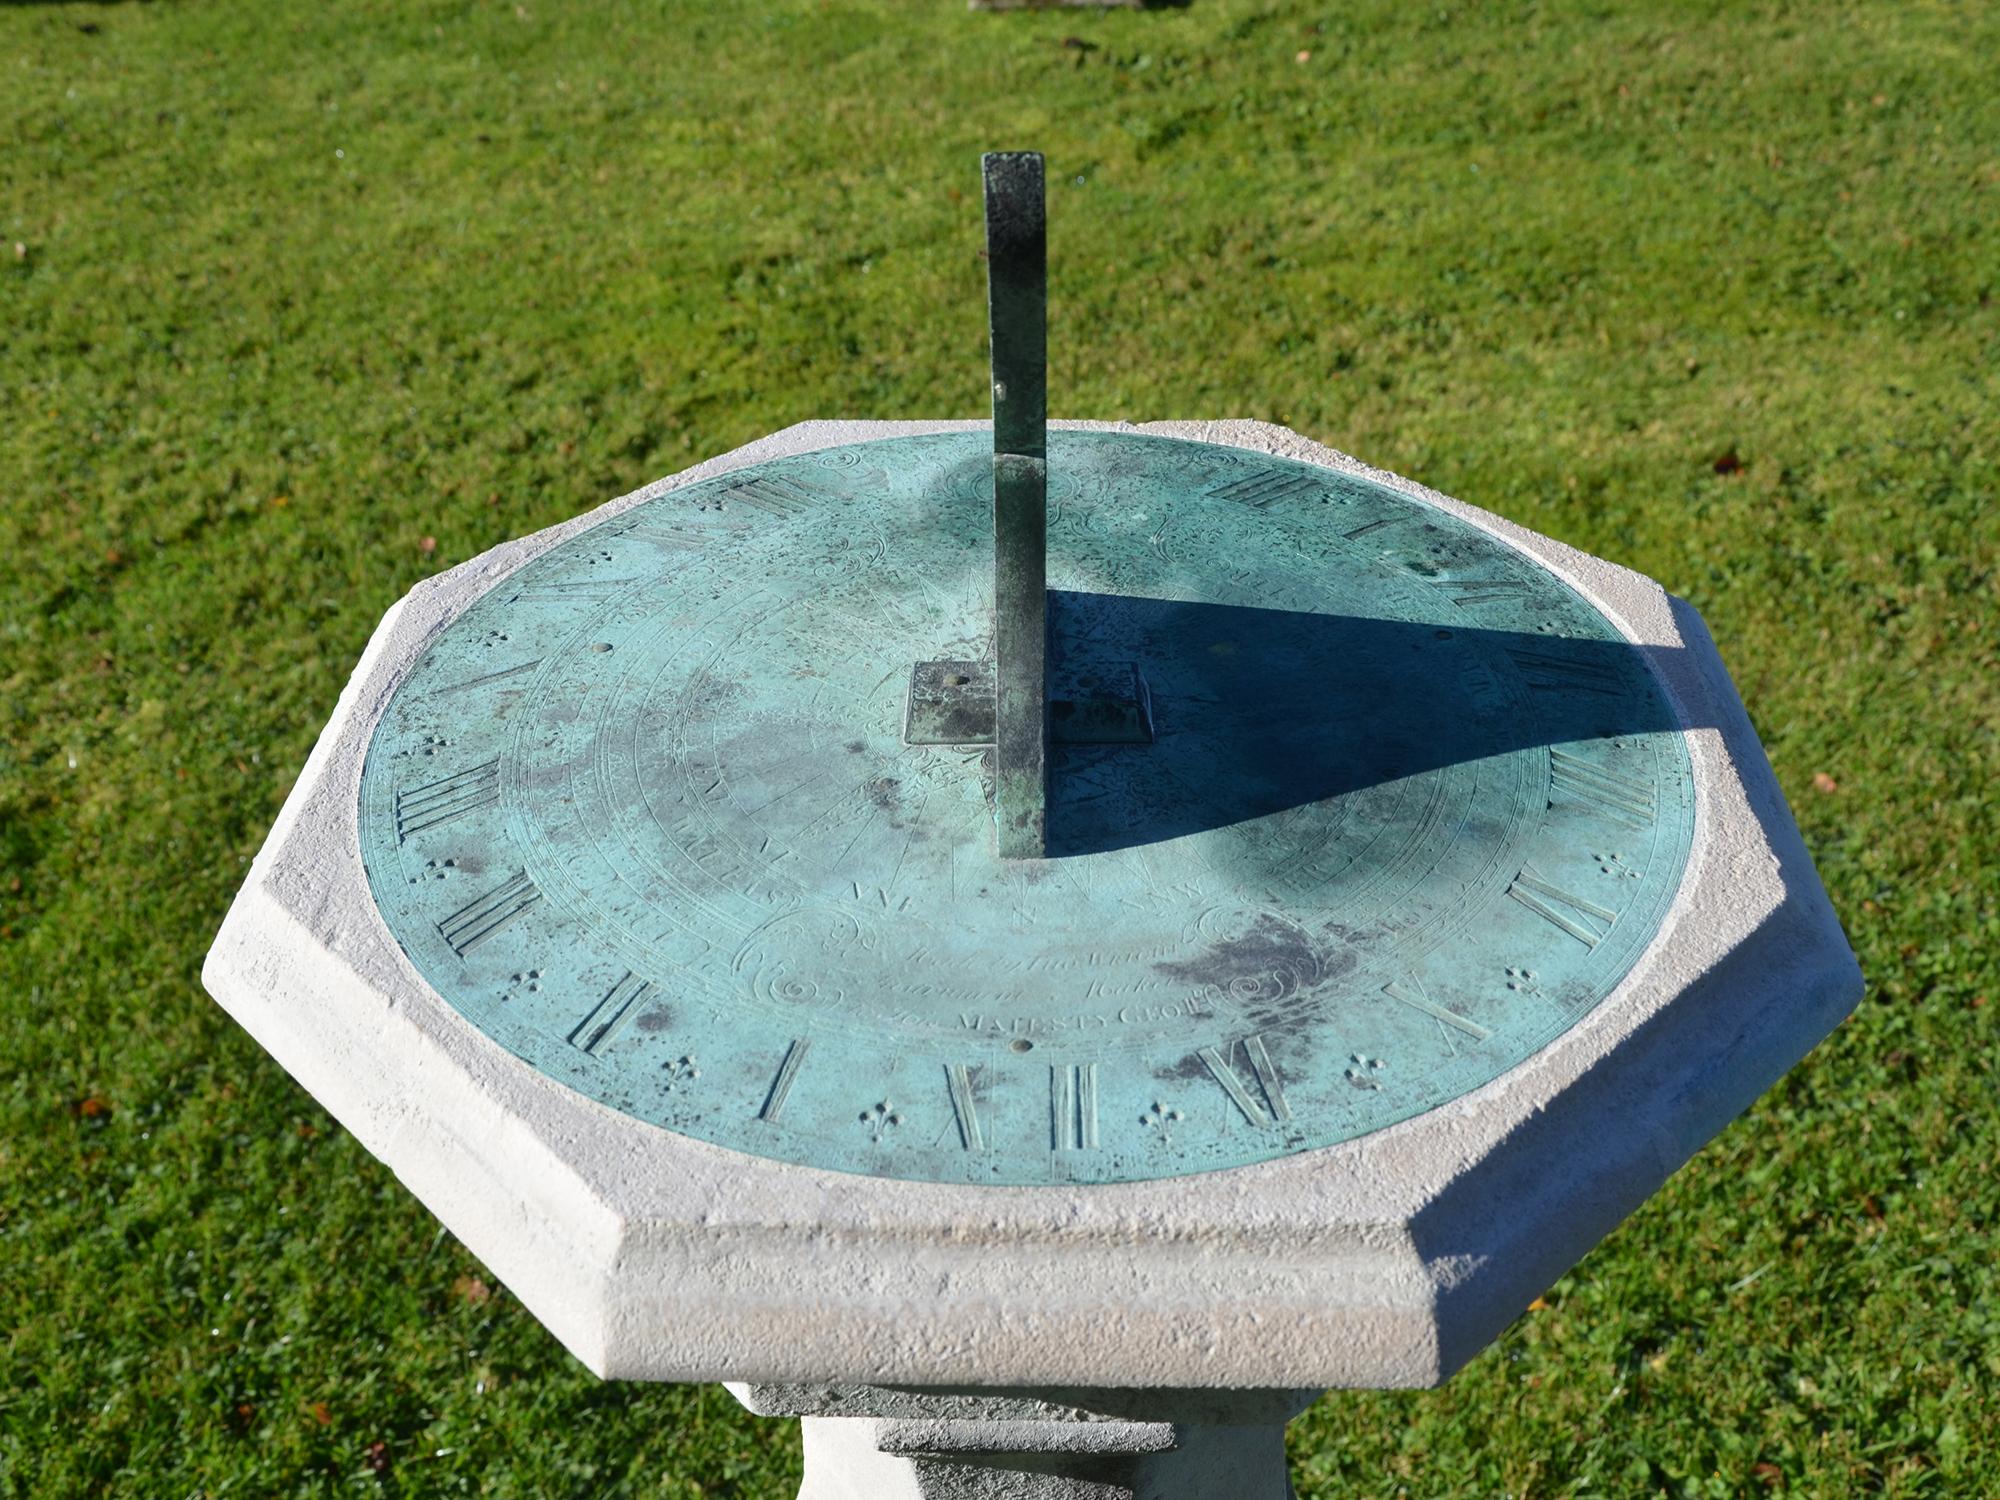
(1508, 1227)
(1258, 711)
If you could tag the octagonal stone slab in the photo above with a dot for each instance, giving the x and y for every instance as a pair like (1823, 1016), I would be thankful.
(1386, 1260)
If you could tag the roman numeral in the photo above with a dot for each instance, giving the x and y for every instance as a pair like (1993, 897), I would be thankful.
(1267, 488)
(472, 924)
(958, 1078)
(1571, 674)
(774, 494)
(788, 1074)
(1267, 1107)
(446, 798)
(1623, 799)
(1583, 920)
(877, 895)
(612, 1015)
(1410, 991)
(579, 591)
(1073, 1107)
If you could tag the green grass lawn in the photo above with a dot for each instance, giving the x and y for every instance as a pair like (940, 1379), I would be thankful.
(302, 302)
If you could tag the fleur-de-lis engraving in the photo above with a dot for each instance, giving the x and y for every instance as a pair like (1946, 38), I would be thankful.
(1362, 1069)
(680, 1072)
(1163, 1120)
(880, 1119)
(430, 744)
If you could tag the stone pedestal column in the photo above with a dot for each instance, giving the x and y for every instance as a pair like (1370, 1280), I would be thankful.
(902, 1443)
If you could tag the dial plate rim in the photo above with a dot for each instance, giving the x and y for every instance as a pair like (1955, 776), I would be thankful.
(764, 1133)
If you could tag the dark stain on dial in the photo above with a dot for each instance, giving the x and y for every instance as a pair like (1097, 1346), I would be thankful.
(1271, 959)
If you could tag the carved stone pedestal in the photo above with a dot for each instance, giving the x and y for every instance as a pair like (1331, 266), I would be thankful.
(901, 1443)
(1025, 1129)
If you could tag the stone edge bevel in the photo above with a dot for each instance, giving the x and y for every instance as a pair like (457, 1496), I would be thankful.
(628, 1241)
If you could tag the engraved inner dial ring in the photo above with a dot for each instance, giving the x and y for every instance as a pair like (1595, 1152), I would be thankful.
(644, 815)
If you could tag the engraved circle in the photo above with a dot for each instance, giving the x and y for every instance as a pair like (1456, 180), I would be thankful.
(1395, 765)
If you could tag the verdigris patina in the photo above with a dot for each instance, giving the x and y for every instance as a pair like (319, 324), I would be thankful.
(647, 817)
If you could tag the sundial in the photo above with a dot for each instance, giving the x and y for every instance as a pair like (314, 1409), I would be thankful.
(708, 812)
(970, 839)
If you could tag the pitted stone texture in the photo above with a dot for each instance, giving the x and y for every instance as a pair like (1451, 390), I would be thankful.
(875, 1443)
(1387, 1260)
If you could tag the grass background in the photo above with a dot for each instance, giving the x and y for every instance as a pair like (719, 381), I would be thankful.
(300, 302)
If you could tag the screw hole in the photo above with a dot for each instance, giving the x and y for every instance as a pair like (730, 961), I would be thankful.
(1023, 1045)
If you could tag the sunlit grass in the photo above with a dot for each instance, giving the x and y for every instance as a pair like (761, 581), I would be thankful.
(299, 303)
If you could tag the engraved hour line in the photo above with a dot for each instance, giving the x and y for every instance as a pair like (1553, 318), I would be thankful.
(1073, 1107)
(475, 922)
(1623, 799)
(774, 494)
(1274, 1108)
(788, 1074)
(1262, 490)
(448, 797)
(1585, 921)
(582, 591)
(490, 677)
(1410, 992)
(1545, 669)
(958, 1078)
(612, 1015)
